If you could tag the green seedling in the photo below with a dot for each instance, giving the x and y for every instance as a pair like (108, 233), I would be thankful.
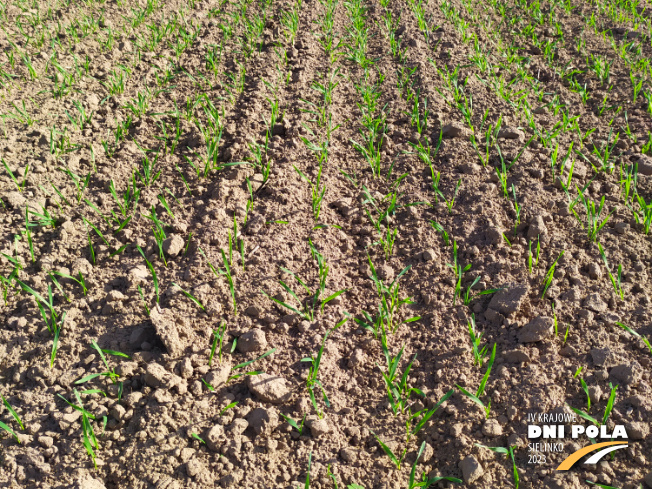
(19, 185)
(388, 451)
(476, 397)
(153, 272)
(479, 353)
(459, 271)
(628, 181)
(585, 388)
(53, 320)
(312, 380)
(615, 279)
(190, 296)
(423, 416)
(637, 335)
(218, 340)
(307, 484)
(531, 260)
(227, 273)
(389, 306)
(505, 451)
(607, 411)
(197, 437)
(14, 415)
(602, 486)
(593, 213)
(387, 235)
(550, 275)
(451, 202)
(294, 424)
(89, 439)
(425, 481)
(317, 190)
(440, 229)
(398, 391)
(110, 372)
(643, 215)
(314, 301)
(234, 376)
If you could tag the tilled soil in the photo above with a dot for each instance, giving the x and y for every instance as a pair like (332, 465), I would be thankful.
(95, 92)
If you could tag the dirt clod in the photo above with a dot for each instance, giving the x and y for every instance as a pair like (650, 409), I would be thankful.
(538, 329)
(268, 388)
(471, 469)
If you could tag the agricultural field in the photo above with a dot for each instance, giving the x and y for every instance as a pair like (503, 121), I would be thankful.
(323, 243)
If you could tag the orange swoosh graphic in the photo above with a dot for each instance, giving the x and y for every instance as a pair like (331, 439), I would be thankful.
(574, 457)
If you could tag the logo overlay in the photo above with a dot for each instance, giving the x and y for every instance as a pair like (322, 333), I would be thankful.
(548, 426)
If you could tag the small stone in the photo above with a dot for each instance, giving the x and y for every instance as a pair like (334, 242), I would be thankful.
(173, 245)
(185, 368)
(638, 430)
(385, 273)
(118, 412)
(492, 428)
(90, 483)
(304, 326)
(621, 227)
(194, 467)
(268, 388)
(471, 469)
(218, 375)
(253, 311)
(537, 229)
(15, 200)
(156, 375)
(494, 235)
(470, 168)
(510, 133)
(595, 271)
(238, 426)
(600, 356)
(319, 427)
(536, 330)
(508, 300)
(516, 356)
(595, 393)
(454, 130)
(645, 167)
(69, 227)
(252, 341)
(215, 437)
(166, 330)
(357, 358)
(349, 454)
(428, 453)
(186, 454)
(45, 441)
(429, 255)
(263, 420)
(594, 302)
(625, 374)
(115, 295)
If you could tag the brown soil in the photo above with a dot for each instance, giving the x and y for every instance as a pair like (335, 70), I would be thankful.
(160, 424)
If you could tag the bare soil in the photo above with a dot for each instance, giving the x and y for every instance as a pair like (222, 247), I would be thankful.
(162, 423)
